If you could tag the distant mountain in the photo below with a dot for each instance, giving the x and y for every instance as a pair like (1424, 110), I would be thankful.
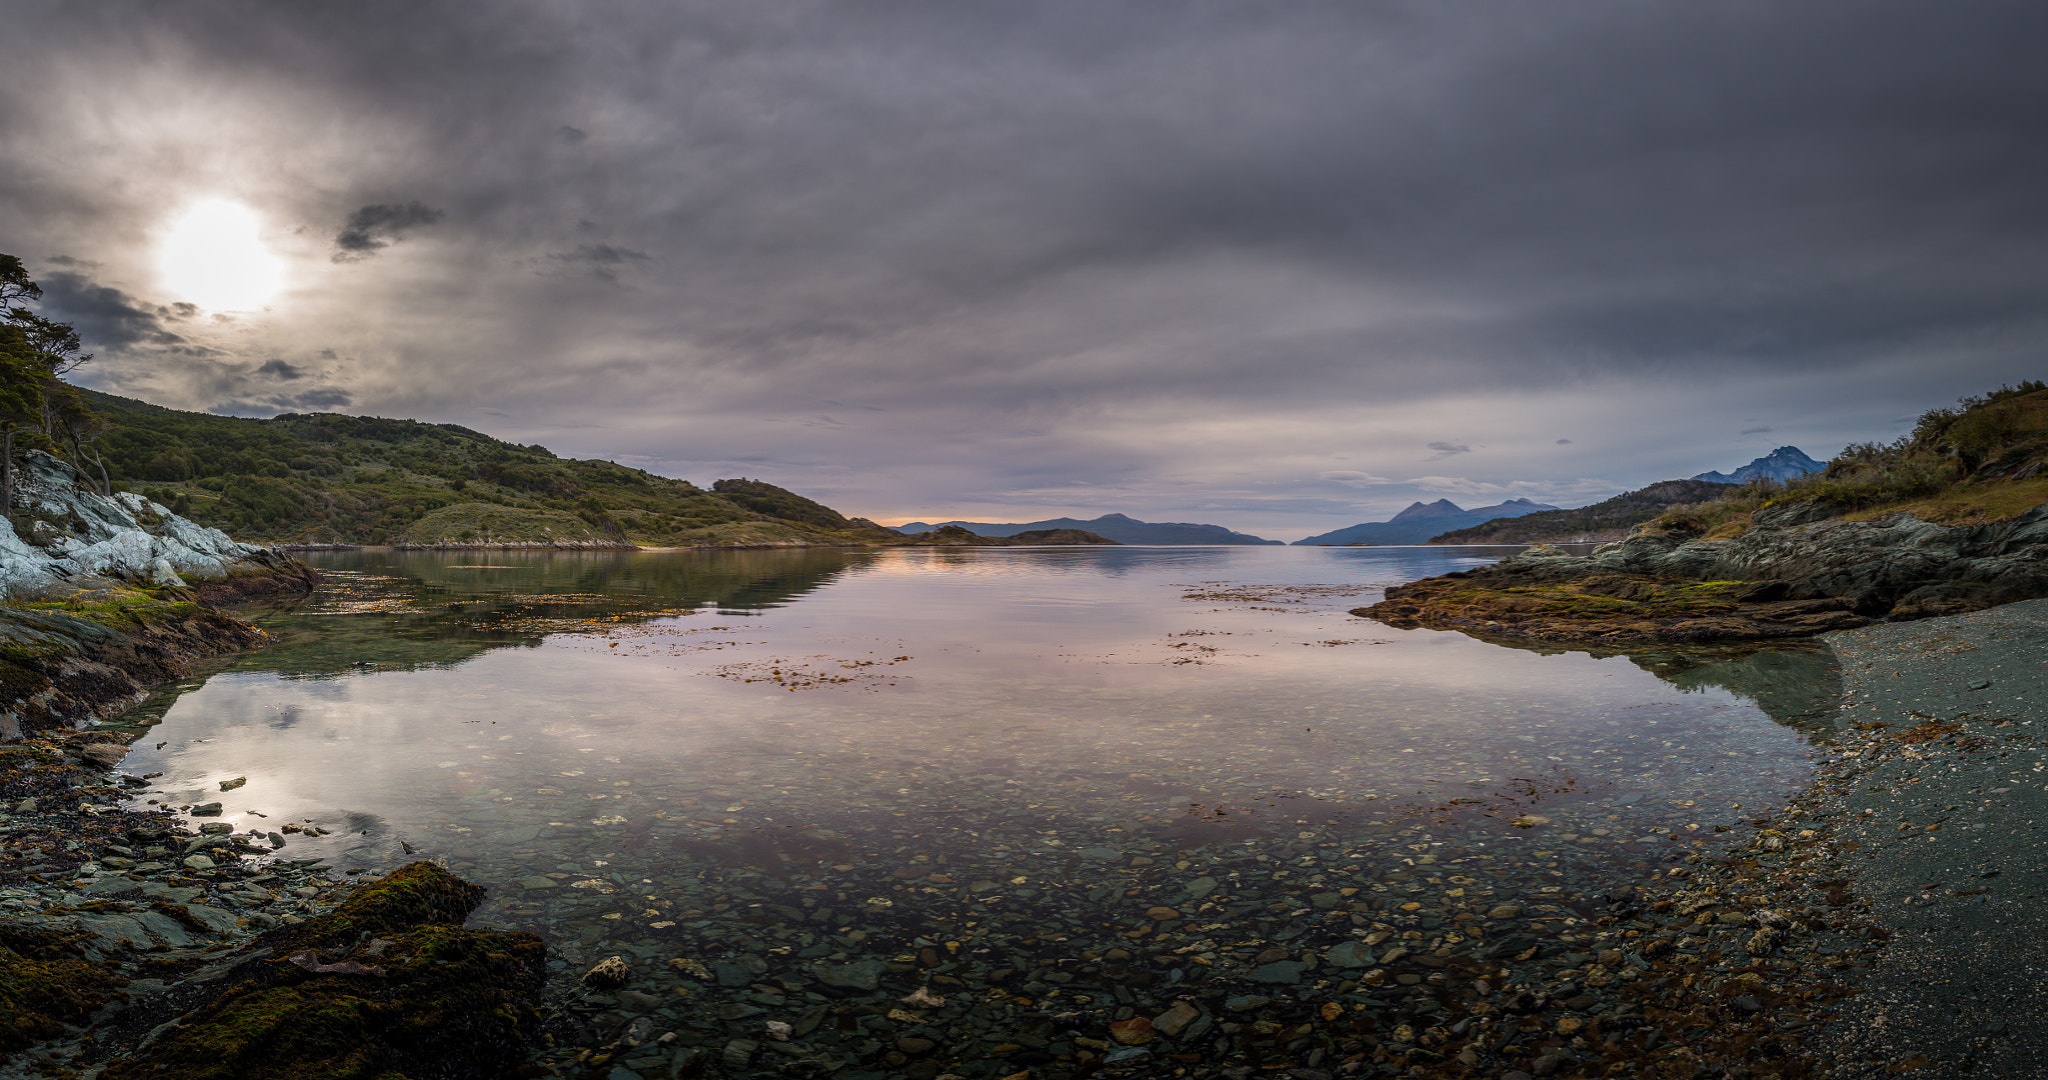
(1784, 463)
(1117, 527)
(1423, 520)
(1600, 522)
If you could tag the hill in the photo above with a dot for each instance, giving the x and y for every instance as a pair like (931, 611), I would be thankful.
(1423, 520)
(1602, 521)
(1784, 463)
(1981, 461)
(955, 536)
(1117, 527)
(327, 478)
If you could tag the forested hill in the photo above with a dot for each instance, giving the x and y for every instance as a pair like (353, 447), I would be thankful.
(367, 480)
(1609, 520)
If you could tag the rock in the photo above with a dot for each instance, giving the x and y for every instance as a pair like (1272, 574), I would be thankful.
(230, 785)
(738, 1053)
(1505, 911)
(26, 806)
(859, 975)
(451, 1001)
(639, 1001)
(216, 828)
(1161, 913)
(116, 862)
(1745, 1004)
(916, 1047)
(1349, 954)
(104, 754)
(197, 862)
(1200, 887)
(211, 809)
(1173, 1021)
(1247, 1003)
(1546, 1065)
(1280, 972)
(923, 998)
(1133, 1032)
(609, 973)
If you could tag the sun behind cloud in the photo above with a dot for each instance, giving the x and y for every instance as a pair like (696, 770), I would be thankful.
(213, 255)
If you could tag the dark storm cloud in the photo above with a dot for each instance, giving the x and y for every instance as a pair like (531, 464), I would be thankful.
(1120, 243)
(374, 228)
(278, 369)
(107, 317)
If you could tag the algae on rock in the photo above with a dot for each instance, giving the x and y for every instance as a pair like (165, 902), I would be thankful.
(388, 984)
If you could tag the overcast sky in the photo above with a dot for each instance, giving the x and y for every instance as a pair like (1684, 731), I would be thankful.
(1278, 266)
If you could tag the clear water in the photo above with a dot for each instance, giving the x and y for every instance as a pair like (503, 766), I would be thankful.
(814, 756)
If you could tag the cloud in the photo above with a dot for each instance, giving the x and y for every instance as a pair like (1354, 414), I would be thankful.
(1355, 479)
(1458, 485)
(1564, 442)
(376, 227)
(321, 400)
(281, 370)
(602, 261)
(106, 317)
(1447, 449)
(1755, 430)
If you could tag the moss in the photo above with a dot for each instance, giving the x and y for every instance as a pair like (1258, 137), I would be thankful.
(443, 1001)
(416, 894)
(42, 988)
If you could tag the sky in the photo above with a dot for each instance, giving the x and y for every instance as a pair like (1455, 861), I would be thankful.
(1281, 267)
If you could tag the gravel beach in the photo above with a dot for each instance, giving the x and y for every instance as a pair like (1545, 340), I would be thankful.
(1949, 831)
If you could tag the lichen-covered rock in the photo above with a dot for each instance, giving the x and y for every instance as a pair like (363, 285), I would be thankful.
(388, 984)
(69, 532)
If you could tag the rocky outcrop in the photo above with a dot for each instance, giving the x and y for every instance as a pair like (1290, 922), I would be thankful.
(103, 597)
(1788, 575)
(62, 536)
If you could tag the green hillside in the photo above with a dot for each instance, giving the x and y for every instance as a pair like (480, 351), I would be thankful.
(365, 480)
(1614, 517)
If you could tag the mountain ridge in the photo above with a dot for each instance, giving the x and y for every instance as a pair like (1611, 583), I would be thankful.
(1420, 521)
(1784, 463)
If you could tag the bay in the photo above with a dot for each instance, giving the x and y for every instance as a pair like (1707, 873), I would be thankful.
(761, 772)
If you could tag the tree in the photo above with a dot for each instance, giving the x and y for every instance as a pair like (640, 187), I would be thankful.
(34, 353)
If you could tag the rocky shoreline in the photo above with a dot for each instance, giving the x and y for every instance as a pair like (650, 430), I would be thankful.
(1789, 575)
(132, 945)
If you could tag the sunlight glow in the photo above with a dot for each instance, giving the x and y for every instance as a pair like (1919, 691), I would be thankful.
(213, 257)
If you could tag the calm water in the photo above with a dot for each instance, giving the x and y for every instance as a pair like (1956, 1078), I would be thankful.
(820, 756)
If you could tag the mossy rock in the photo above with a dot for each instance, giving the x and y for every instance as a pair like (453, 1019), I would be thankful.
(417, 894)
(42, 988)
(415, 995)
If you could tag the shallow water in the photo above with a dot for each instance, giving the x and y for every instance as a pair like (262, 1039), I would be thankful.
(789, 757)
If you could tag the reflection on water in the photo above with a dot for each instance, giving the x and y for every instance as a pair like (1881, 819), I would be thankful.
(786, 759)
